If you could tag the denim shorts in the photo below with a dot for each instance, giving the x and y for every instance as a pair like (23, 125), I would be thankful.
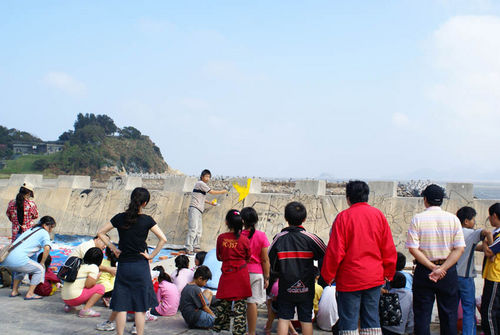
(286, 310)
(205, 321)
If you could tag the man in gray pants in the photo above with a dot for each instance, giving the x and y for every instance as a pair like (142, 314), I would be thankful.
(195, 211)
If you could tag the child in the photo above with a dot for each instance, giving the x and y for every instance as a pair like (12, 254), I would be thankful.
(51, 283)
(258, 266)
(318, 291)
(400, 265)
(490, 305)
(183, 274)
(272, 310)
(85, 290)
(168, 295)
(194, 305)
(199, 258)
(108, 279)
(466, 267)
(398, 284)
(292, 254)
(233, 249)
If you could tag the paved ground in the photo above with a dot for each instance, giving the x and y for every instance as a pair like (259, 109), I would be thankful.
(46, 316)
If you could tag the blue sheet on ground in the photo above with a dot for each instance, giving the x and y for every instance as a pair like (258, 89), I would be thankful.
(215, 267)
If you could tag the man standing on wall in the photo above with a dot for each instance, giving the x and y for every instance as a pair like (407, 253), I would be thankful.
(195, 211)
(359, 256)
(436, 240)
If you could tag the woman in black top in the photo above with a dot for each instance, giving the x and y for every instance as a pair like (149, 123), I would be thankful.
(133, 289)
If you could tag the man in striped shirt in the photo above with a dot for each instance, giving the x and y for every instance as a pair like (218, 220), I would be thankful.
(436, 240)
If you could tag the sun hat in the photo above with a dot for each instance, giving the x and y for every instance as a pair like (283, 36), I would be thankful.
(28, 186)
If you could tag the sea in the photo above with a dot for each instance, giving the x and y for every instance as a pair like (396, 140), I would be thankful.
(487, 190)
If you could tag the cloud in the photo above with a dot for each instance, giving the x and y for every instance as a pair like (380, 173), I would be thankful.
(400, 119)
(65, 83)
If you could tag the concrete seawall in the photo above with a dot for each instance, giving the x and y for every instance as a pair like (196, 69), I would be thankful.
(82, 210)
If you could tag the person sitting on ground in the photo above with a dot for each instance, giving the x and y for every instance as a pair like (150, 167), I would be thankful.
(20, 260)
(95, 242)
(51, 283)
(107, 279)
(194, 304)
(199, 258)
(85, 290)
(272, 310)
(327, 315)
(318, 291)
(400, 266)
(183, 274)
(168, 295)
(398, 284)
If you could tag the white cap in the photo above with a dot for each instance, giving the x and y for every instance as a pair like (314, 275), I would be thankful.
(28, 186)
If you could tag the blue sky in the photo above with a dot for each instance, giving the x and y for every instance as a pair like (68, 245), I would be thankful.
(359, 89)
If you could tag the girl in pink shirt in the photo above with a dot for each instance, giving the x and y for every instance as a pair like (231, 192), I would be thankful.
(168, 295)
(183, 274)
(258, 265)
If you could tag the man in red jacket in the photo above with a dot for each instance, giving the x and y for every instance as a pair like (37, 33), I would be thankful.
(359, 257)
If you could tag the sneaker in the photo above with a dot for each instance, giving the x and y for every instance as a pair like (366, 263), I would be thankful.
(133, 331)
(88, 313)
(106, 326)
(150, 317)
(68, 308)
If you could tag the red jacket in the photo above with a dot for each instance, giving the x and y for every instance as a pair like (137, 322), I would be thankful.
(44, 289)
(361, 250)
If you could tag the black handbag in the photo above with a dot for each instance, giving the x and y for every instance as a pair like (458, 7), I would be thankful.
(69, 270)
(389, 309)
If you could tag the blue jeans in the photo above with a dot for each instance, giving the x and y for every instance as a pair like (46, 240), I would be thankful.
(467, 292)
(358, 304)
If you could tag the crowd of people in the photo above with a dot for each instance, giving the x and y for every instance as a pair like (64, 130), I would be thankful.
(339, 286)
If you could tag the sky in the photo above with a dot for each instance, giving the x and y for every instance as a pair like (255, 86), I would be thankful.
(291, 89)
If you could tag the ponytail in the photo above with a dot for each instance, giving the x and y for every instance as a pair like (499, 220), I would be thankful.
(234, 222)
(181, 262)
(138, 197)
(250, 219)
(163, 275)
(20, 204)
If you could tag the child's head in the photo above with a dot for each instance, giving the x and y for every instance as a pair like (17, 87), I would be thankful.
(316, 272)
(295, 213)
(357, 191)
(48, 260)
(181, 262)
(494, 212)
(399, 280)
(199, 258)
(202, 275)
(401, 262)
(234, 222)
(163, 275)
(111, 256)
(467, 216)
(93, 256)
(250, 219)
(205, 175)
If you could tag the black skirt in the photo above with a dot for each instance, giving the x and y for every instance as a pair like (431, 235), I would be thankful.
(133, 289)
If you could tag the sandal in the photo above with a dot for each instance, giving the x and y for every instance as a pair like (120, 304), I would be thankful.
(33, 297)
(14, 295)
(267, 331)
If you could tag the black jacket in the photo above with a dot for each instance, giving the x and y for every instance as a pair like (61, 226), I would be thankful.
(291, 255)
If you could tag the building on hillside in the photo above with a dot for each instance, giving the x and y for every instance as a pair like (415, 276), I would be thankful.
(37, 148)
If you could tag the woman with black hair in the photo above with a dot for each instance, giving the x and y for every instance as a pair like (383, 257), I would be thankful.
(22, 211)
(258, 266)
(233, 249)
(133, 289)
(19, 259)
(85, 290)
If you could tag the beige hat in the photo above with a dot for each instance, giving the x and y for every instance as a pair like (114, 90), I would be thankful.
(28, 186)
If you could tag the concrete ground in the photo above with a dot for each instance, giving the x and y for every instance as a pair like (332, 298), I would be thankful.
(46, 316)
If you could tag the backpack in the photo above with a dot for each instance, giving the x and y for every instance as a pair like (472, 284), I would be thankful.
(5, 277)
(69, 270)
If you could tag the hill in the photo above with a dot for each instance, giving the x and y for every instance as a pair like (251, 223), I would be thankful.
(95, 147)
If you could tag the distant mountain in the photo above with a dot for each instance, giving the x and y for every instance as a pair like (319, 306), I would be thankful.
(97, 147)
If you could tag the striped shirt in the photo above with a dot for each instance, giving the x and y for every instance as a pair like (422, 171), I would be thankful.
(435, 232)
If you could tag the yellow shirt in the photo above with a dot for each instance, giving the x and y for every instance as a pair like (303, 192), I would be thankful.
(106, 278)
(318, 291)
(74, 290)
(492, 268)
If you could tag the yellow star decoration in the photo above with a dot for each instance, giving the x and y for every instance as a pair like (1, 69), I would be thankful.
(242, 190)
